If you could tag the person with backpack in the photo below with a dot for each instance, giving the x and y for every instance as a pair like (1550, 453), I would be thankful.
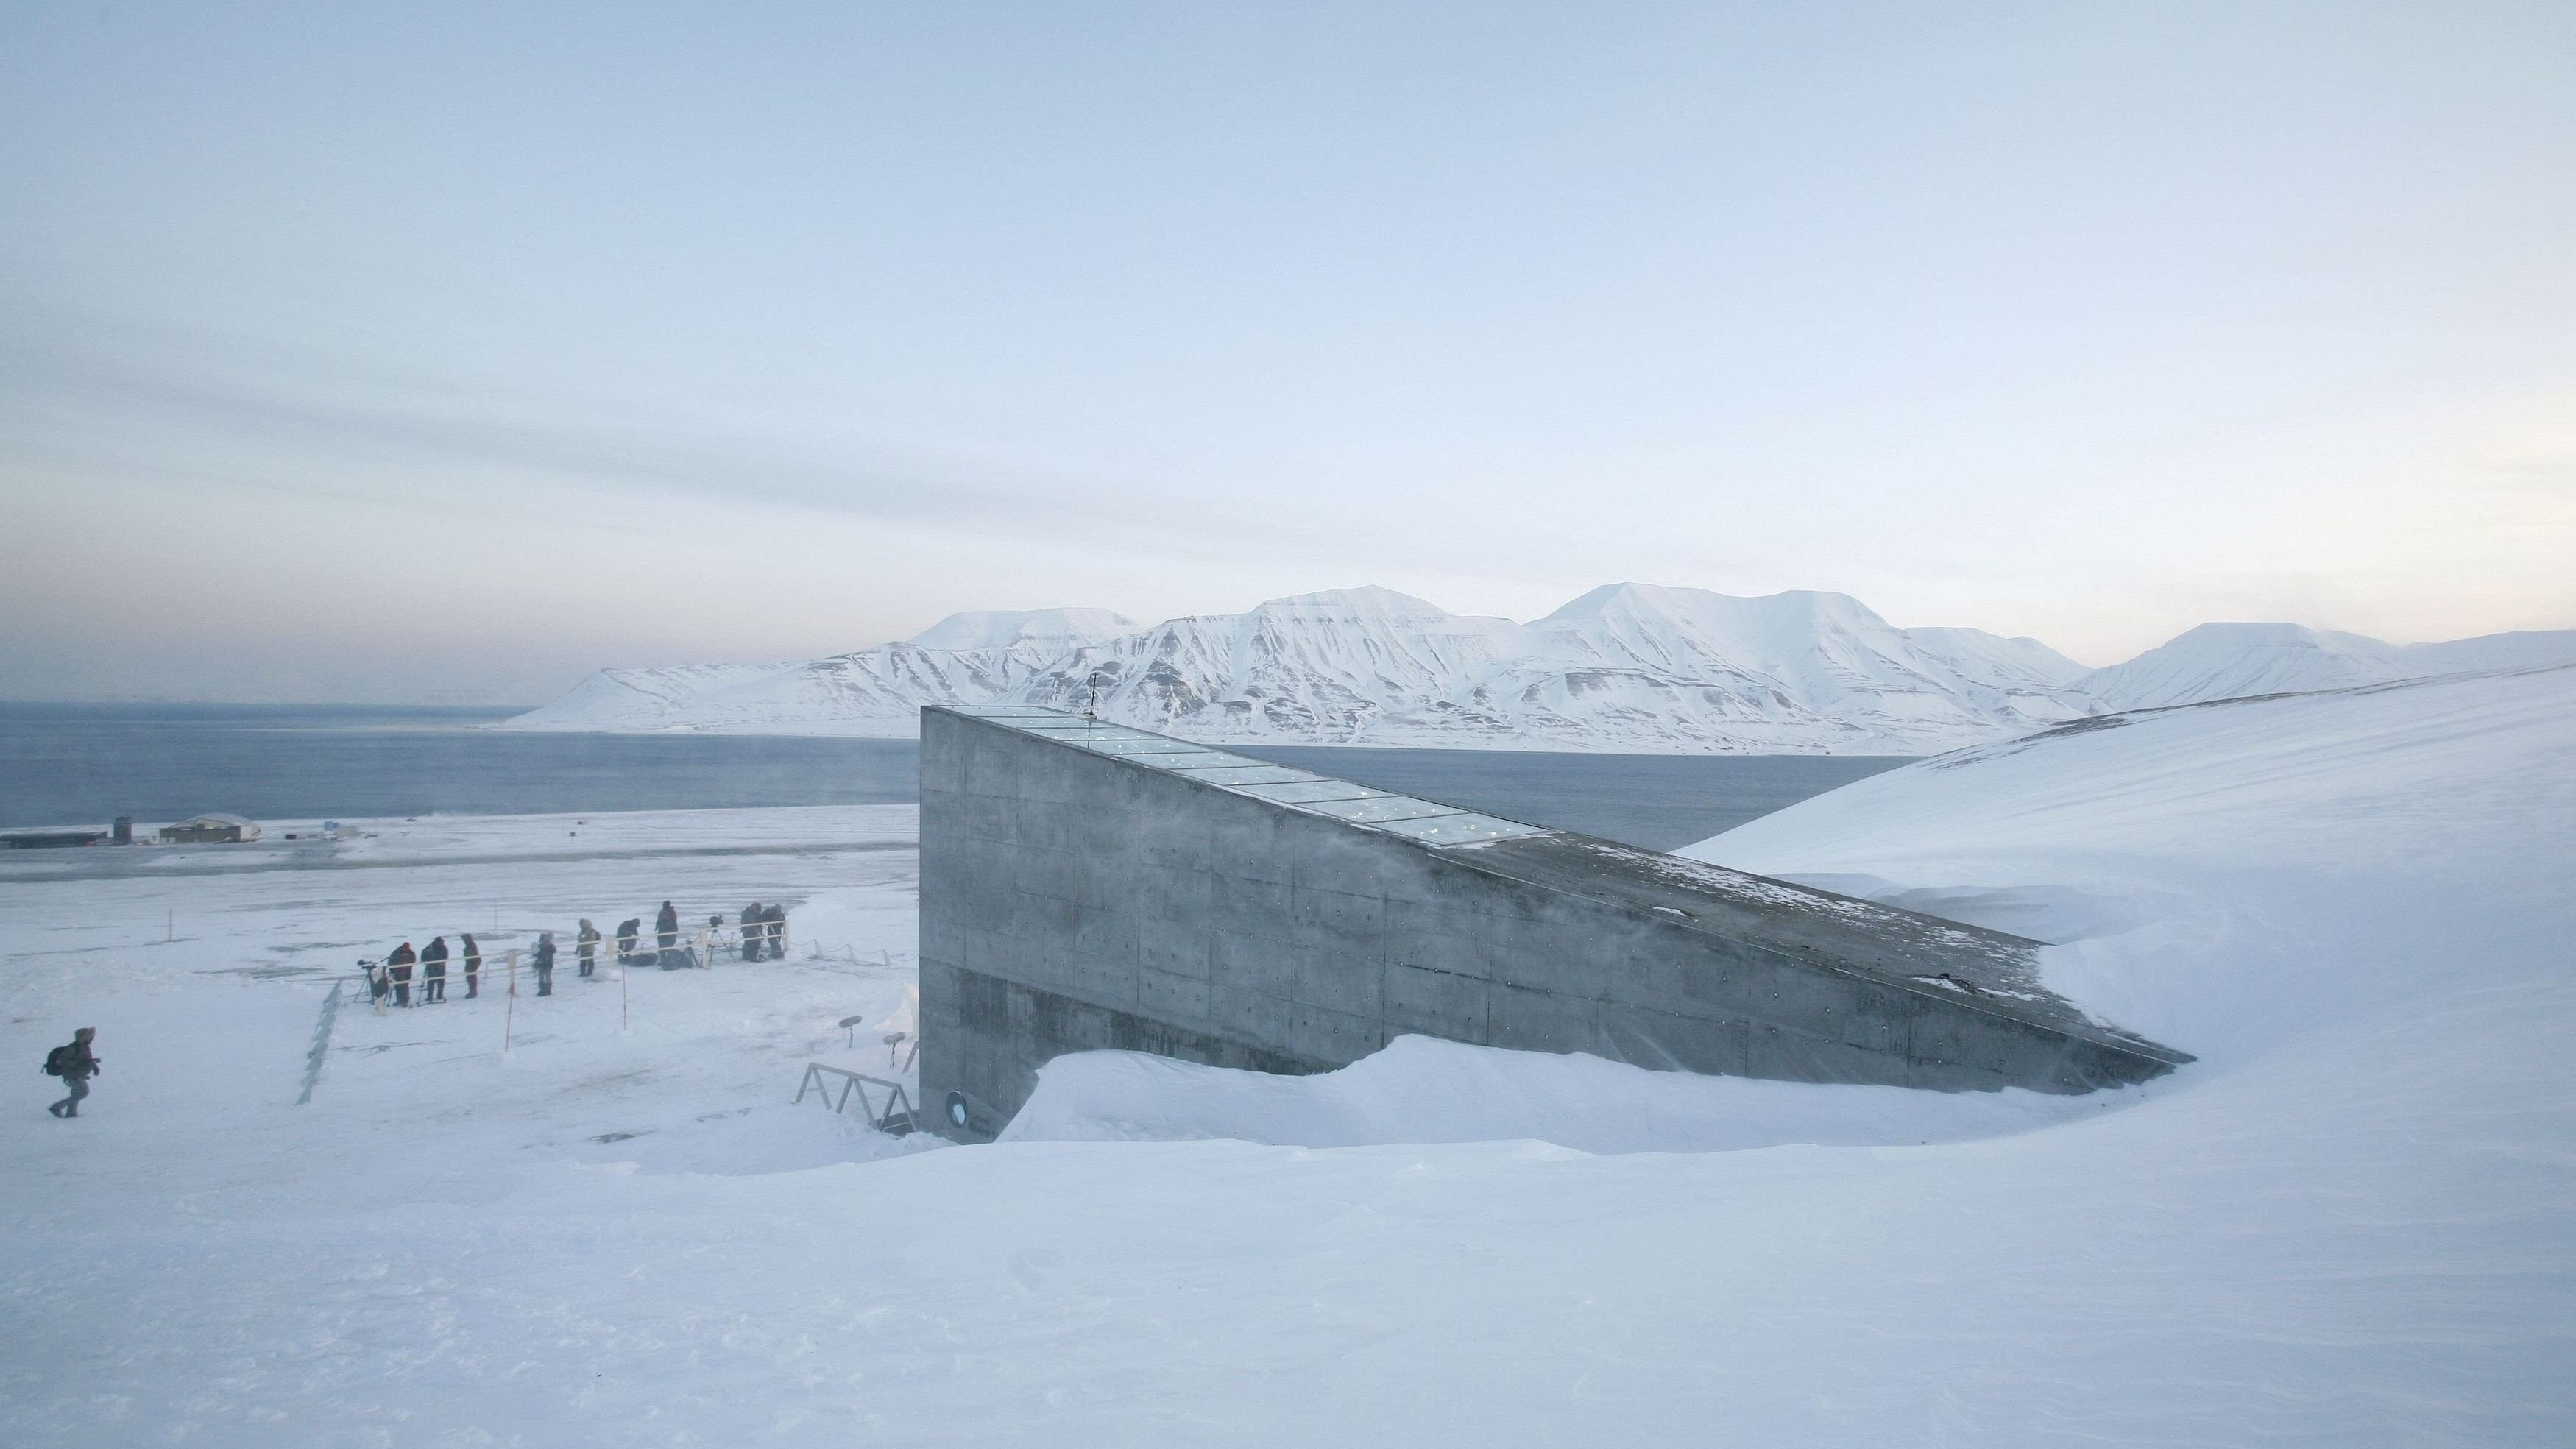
(752, 930)
(398, 970)
(586, 945)
(545, 959)
(73, 1063)
(473, 968)
(433, 970)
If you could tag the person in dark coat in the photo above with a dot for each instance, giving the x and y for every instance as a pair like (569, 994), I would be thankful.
(754, 927)
(545, 958)
(776, 936)
(398, 970)
(433, 970)
(628, 932)
(75, 1065)
(586, 944)
(473, 955)
(667, 926)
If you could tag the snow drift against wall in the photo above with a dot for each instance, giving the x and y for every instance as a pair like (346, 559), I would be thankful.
(1422, 1089)
(2441, 811)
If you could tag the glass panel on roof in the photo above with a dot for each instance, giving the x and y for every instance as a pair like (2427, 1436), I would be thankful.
(1322, 788)
(1073, 729)
(1459, 829)
(1384, 807)
(1145, 744)
(1251, 774)
(1199, 760)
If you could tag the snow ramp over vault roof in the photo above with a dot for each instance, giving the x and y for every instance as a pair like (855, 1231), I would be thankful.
(1087, 885)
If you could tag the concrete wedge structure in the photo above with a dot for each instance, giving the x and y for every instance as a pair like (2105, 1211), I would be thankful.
(1089, 886)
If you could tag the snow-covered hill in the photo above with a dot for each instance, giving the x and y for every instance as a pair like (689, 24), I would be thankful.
(970, 658)
(1790, 671)
(2230, 661)
(1632, 667)
(1056, 630)
(1340, 665)
(1625, 667)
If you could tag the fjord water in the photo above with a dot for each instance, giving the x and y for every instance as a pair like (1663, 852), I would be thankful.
(83, 764)
(64, 764)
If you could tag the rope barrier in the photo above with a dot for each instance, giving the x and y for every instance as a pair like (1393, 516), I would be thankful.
(703, 945)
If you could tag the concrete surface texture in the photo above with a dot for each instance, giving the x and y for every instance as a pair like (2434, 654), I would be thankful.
(1094, 886)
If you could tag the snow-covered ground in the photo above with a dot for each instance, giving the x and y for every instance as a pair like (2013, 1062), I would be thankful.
(1421, 1089)
(2352, 1222)
(153, 1245)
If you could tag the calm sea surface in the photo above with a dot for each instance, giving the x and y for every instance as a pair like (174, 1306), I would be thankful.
(83, 764)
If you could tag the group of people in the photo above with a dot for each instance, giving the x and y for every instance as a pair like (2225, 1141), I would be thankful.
(393, 976)
(763, 928)
(764, 937)
(764, 931)
(666, 931)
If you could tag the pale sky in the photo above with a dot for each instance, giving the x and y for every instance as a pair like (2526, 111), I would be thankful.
(444, 353)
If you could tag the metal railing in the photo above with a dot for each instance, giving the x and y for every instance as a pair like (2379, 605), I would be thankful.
(704, 943)
(699, 948)
(897, 1116)
(703, 946)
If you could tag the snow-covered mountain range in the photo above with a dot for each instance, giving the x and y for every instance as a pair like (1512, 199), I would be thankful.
(1632, 667)
(2229, 661)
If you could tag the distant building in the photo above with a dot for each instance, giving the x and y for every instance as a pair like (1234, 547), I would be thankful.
(50, 839)
(210, 830)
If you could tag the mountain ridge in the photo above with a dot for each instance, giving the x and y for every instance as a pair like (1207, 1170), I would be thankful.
(1631, 667)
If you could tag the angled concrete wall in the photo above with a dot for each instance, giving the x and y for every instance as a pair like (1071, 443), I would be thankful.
(1088, 886)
